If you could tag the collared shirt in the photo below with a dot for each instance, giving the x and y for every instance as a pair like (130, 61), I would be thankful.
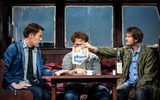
(34, 52)
(133, 72)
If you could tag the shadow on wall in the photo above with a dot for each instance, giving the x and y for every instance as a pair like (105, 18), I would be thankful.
(4, 43)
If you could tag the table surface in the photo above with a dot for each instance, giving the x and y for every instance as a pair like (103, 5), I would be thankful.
(83, 76)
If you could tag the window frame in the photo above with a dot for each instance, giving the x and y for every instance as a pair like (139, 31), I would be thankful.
(91, 5)
(137, 4)
(60, 5)
(9, 24)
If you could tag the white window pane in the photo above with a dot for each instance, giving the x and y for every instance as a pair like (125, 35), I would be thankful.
(144, 17)
(42, 15)
(96, 21)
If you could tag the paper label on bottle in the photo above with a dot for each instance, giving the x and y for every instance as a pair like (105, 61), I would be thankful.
(119, 67)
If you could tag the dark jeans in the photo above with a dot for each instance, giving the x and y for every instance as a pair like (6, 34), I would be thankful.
(141, 93)
(96, 92)
(40, 93)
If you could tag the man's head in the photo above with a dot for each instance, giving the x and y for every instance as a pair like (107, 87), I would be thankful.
(133, 36)
(33, 34)
(78, 38)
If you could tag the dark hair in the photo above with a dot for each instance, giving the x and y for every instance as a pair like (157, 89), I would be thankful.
(32, 28)
(80, 35)
(137, 34)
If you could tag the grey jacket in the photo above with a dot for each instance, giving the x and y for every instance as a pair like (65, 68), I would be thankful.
(92, 62)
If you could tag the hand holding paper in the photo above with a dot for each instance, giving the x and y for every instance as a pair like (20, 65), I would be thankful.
(79, 55)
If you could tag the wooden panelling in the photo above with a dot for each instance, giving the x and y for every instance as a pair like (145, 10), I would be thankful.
(54, 55)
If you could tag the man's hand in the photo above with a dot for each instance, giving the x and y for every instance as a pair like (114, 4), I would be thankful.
(90, 47)
(78, 71)
(60, 72)
(21, 85)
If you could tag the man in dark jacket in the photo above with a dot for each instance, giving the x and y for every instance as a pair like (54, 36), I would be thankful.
(139, 66)
(24, 65)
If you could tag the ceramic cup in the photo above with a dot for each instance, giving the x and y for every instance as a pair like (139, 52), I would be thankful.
(90, 72)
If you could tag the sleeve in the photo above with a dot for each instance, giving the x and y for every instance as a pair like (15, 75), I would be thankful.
(8, 59)
(110, 52)
(96, 65)
(150, 70)
(43, 68)
(67, 62)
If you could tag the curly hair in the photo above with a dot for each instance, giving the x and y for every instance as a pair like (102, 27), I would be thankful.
(80, 35)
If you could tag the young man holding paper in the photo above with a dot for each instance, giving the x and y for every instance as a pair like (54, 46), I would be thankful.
(81, 62)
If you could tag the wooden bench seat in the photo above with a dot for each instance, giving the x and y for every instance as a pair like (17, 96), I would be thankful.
(15, 94)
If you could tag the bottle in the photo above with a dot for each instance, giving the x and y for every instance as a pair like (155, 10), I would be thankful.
(118, 63)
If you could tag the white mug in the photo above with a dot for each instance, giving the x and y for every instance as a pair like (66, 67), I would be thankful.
(90, 72)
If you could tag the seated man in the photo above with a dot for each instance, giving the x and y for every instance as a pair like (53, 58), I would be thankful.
(24, 65)
(77, 64)
(139, 66)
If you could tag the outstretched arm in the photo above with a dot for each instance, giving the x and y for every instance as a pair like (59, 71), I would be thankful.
(90, 47)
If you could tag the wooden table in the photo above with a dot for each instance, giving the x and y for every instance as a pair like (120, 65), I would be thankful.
(85, 78)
